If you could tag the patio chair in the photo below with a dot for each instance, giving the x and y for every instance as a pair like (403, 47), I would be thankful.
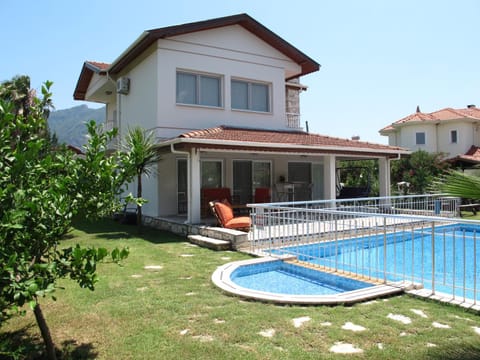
(224, 214)
(262, 195)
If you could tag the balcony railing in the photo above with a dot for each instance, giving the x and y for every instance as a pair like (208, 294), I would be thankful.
(293, 120)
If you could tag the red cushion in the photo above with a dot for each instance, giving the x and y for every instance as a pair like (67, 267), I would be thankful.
(238, 223)
(224, 212)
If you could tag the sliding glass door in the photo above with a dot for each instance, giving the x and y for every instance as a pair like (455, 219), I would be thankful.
(247, 176)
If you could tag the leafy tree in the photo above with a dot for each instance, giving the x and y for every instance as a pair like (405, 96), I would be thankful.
(41, 191)
(420, 169)
(142, 155)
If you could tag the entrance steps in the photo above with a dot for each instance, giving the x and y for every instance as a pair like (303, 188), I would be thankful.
(217, 238)
(208, 242)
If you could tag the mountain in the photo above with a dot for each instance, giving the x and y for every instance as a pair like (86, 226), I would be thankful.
(69, 124)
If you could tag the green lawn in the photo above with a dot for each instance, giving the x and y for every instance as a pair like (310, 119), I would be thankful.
(175, 312)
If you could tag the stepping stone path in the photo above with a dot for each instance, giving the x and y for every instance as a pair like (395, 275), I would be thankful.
(153, 267)
(184, 332)
(400, 318)
(440, 326)
(353, 327)
(299, 321)
(186, 255)
(342, 348)
(419, 313)
(267, 333)
(203, 338)
(476, 329)
(136, 276)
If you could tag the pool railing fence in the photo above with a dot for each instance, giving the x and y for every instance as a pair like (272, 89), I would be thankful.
(418, 239)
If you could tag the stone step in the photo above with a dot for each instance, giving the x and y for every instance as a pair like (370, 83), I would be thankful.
(208, 242)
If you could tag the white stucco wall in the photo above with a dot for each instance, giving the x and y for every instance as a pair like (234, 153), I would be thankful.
(465, 138)
(408, 137)
(139, 107)
(230, 52)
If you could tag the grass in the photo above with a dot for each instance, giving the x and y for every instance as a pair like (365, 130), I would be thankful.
(176, 313)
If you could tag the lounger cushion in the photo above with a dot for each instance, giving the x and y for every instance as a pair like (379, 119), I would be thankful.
(240, 222)
(224, 212)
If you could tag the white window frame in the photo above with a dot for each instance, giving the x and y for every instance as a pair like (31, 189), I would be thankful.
(198, 76)
(250, 83)
(424, 138)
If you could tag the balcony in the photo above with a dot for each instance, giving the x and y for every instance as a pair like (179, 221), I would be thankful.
(293, 120)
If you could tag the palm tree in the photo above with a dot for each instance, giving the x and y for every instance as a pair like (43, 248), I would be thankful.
(142, 155)
(456, 183)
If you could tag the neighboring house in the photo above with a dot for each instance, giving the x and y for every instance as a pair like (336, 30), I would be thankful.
(453, 132)
(222, 96)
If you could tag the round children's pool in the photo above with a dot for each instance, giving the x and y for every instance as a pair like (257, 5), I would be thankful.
(280, 281)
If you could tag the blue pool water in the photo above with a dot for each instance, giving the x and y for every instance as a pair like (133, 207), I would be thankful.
(446, 264)
(284, 278)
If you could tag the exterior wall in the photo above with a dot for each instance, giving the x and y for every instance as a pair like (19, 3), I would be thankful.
(465, 138)
(230, 52)
(408, 138)
(139, 107)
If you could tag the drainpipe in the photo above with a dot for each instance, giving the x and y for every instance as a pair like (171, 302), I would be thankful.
(189, 185)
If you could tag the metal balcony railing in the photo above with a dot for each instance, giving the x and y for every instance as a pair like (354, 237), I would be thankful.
(293, 120)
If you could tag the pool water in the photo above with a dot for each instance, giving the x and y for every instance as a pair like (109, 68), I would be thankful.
(284, 278)
(447, 262)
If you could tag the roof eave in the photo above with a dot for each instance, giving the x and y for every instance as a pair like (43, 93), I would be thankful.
(308, 65)
(230, 143)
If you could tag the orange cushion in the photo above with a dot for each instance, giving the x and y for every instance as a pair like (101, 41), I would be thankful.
(224, 212)
(238, 223)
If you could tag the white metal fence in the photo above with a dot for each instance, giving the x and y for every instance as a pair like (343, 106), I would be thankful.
(416, 239)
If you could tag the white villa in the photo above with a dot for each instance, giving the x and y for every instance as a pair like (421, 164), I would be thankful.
(222, 96)
(454, 132)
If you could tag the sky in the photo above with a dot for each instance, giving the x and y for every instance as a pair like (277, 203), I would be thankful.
(379, 59)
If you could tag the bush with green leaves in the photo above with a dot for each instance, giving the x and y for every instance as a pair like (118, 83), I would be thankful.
(42, 189)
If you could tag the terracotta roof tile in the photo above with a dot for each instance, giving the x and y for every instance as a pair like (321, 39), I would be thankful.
(247, 135)
(99, 65)
(472, 155)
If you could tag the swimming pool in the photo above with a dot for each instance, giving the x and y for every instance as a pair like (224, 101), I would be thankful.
(444, 262)
(274, 280)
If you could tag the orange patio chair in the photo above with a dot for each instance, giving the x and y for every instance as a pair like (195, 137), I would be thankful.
(224, 214)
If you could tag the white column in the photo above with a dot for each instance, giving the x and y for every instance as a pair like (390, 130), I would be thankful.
(384, 176)
(329, 177)
(194, 187)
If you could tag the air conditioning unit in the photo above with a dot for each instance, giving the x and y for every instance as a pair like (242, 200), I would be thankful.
(123, 85)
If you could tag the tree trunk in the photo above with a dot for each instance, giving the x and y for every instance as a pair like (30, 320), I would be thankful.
(139, 195)
(47, 337)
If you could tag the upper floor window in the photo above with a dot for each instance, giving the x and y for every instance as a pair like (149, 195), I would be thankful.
(198, 89)
(252, 96)
(420, 138)
(453, 136)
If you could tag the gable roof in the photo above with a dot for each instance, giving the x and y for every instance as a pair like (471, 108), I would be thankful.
(246, 139)
(308, 65)
(446, 114)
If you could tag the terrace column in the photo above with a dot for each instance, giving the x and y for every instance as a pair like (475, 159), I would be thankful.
(195, 180)
(384, 176)
(329, 177)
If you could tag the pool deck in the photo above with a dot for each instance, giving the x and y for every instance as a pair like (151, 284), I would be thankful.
(222, 278)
